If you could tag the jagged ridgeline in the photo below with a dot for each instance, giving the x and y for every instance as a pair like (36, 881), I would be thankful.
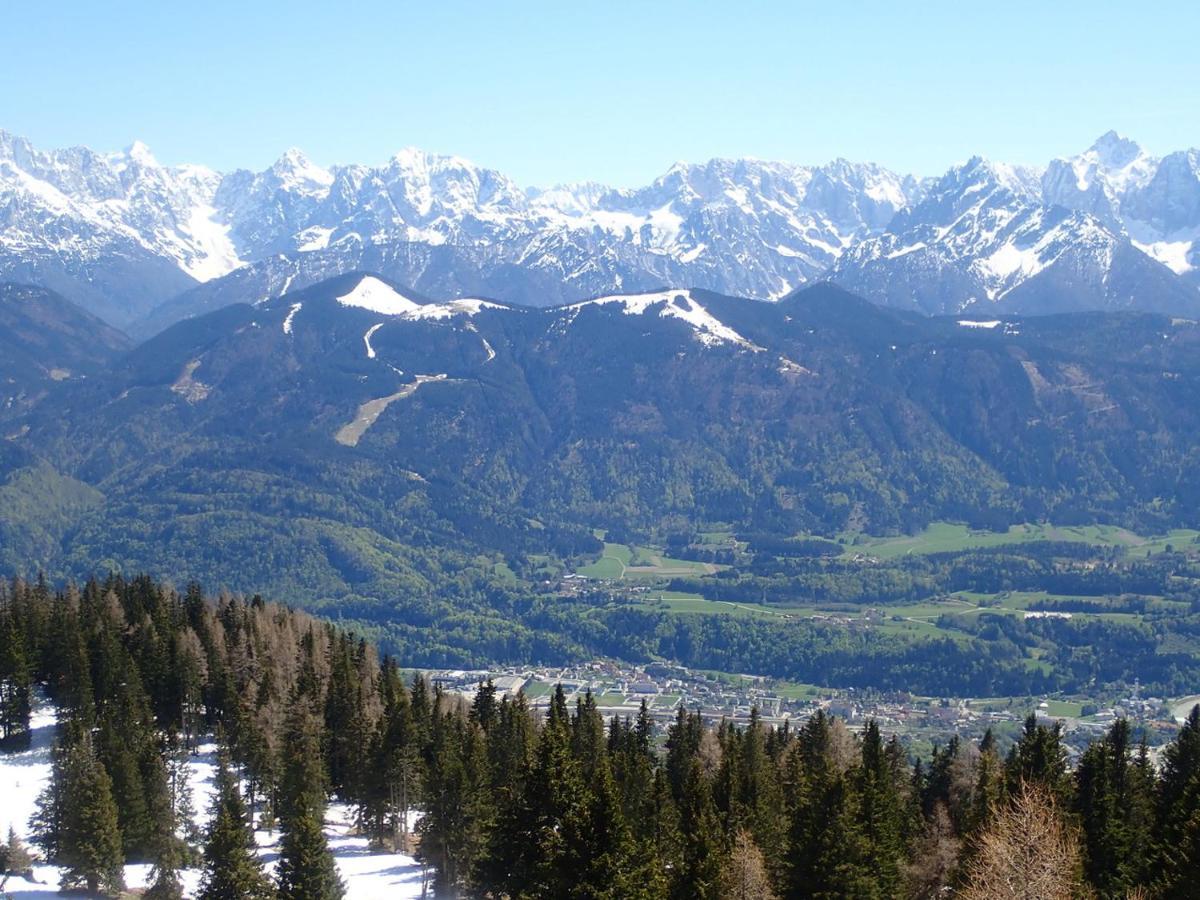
(144, 245)
(513, 804)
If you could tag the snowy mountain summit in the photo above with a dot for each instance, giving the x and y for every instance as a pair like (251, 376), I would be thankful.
(143, 244)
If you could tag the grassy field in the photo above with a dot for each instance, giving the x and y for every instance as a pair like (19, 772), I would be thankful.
(535, 689)
(794, 690)
(943, 537)
(1020, 602)
(620, 562)
(913, 620)
(504, 573)
(611, 564)
(1064, 709)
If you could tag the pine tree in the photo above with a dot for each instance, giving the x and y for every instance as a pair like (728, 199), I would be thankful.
(232, 869)
(702, 852)
(1112, 800)
(1178, 819)
(306, 867)
(16, 683)
(89, 843)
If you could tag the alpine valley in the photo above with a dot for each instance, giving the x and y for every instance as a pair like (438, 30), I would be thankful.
(755, 443)
(437, 470)
(469, 419)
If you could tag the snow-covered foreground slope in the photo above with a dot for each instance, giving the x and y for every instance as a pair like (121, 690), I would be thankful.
(23, 776)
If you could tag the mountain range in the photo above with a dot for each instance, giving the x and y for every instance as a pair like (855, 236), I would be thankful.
(357, 439)
(144, 245)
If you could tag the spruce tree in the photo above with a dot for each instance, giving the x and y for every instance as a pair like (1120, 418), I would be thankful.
(89, 844)
(702, 852)
(167, 849)
(1039, 758)
(458, 811)
(879, 812)
(232, 868)
(1113, 804)
(306, 867)
(17, 857)
(1178, 819)
(16, 683)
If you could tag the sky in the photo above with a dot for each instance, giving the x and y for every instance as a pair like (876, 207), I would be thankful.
(553, 92)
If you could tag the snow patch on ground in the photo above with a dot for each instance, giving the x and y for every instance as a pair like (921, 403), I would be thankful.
(376, 296)
(904, 251)
(313, 238)
(287, 323)
(709, 330)
(367, 339)
(1009, 259)
(468, 306)
(25, 774)
(969, 323)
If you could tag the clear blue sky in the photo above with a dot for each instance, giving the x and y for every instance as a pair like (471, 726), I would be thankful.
(612, 91)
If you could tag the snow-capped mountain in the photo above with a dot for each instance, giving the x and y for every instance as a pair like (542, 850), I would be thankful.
(1156, 202)
(449, 228)
(438, 223)
(984, 238)
(992, 235)
(143, 244)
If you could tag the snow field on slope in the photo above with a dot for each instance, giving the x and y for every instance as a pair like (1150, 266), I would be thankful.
(678, 305)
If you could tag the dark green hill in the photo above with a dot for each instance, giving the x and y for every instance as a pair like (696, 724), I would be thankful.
(329, 448)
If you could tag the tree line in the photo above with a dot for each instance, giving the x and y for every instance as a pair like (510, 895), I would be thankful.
(517, 803)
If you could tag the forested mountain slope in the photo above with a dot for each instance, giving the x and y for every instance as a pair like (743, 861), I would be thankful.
(356, 438)
(44, 339)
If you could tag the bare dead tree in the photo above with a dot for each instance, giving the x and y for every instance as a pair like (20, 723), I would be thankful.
(745, 875)
(1027, 853)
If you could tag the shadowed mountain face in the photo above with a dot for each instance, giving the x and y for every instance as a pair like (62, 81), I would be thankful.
(375, 441)
(44, 340)
(144, 245)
